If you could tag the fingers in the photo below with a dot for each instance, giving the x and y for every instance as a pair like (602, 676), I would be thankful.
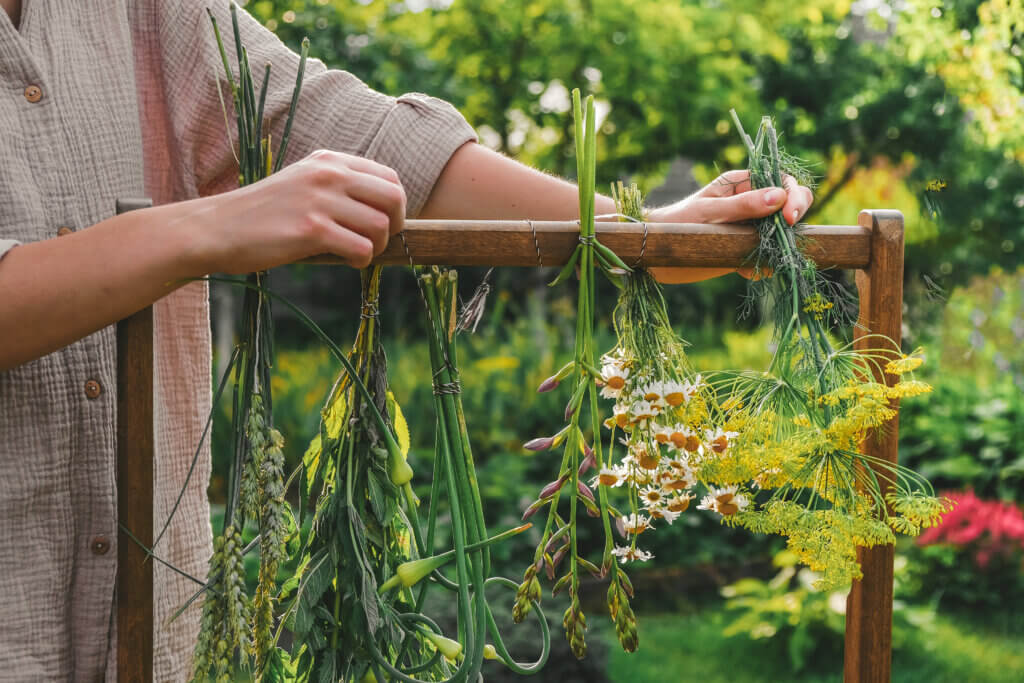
(739, 208)
(383, 195)
(357, 250)
(365, 180)
(798, 200)
(727, 184)
(347, 213)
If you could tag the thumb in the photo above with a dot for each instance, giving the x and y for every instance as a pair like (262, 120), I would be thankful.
(740, 207)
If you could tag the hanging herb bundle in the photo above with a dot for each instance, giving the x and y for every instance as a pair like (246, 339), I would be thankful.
(454, 480)
(559, 536)
(776, 451)
(661, 408)
(799, 426)
(356, 470)
(356, 601)
(230, 621)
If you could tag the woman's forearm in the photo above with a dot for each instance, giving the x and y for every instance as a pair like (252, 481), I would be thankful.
(478, 183)
(59, 290)
(62, 289)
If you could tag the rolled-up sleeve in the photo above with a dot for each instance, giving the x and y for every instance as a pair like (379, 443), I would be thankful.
(6, 246)
(414, 134)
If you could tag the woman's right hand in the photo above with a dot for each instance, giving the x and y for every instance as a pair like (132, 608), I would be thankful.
(329, 202)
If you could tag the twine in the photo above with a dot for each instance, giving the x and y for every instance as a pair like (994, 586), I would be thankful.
(536, 244)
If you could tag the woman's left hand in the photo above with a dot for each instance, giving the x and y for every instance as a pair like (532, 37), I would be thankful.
(730, 199)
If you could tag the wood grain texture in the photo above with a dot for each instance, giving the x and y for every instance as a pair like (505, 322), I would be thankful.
(511, 243)
(135, 496)
(868, 654)
(135, 453)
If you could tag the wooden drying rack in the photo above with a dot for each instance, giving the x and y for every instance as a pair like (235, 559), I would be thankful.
(874, 248)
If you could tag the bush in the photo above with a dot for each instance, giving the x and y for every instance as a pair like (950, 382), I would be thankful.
(974, 558)
(806, 621)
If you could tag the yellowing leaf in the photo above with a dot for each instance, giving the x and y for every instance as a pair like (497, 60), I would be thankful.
(334, 416)
(401, 426)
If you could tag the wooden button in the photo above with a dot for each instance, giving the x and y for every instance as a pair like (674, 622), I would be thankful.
(93, 389)
(33, 93)
(100, 545)
(64, 230)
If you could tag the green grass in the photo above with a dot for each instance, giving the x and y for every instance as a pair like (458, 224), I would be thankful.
(691, 648)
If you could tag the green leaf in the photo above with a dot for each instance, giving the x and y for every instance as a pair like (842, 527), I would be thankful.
(369, 601)
(280, 668)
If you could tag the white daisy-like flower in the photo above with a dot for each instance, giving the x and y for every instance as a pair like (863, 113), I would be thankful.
(631, 554)
(651, 496)
(663, 513)
(685, 439)
(719, 440)
(641, 412)
(661, 434)
(636, 524)
(653, 392)
(680, 479)
(645, 456)
(691, 388)
(621, 415)
(613, 376)
(609, 476)
(725, 501)
(679, 502)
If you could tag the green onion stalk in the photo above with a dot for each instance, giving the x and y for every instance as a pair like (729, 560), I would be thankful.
(454, 478)
(255, 481)
(559, 536)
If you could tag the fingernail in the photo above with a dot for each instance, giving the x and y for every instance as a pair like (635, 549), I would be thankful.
(773, 197)
(796, 215)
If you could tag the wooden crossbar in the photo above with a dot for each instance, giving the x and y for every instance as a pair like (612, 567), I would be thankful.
(874, 248)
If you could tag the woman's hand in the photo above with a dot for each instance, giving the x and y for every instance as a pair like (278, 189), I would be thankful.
(730, 199)
(327, 203)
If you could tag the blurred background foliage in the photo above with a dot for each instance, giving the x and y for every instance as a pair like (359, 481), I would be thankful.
(902, 103)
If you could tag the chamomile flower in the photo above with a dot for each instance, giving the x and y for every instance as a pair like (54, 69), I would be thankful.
(681, 479)
(645, 455)
(641, 412)
(679, 502)
(635, 524)
(613, 376)
(662, 433)
(726, 501)
(664, 514)
(609, 476)
(621, 416)
(675, 393)
(685, 439)
(631, 554)
(651, 496)
(719, 439)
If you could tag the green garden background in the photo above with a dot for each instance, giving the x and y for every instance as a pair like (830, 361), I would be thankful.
(908, 105)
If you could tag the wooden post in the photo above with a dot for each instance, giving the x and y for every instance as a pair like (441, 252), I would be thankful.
(135, 451)
(868, 655)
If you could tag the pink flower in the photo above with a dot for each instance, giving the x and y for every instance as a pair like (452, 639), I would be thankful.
(990, 527)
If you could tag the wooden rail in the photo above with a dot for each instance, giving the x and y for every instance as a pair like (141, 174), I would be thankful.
(874, 248)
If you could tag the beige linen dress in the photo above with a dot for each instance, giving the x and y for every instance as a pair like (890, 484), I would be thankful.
(108, 99)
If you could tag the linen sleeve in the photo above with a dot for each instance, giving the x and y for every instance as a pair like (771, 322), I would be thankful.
(414, 134)
(6, 246)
